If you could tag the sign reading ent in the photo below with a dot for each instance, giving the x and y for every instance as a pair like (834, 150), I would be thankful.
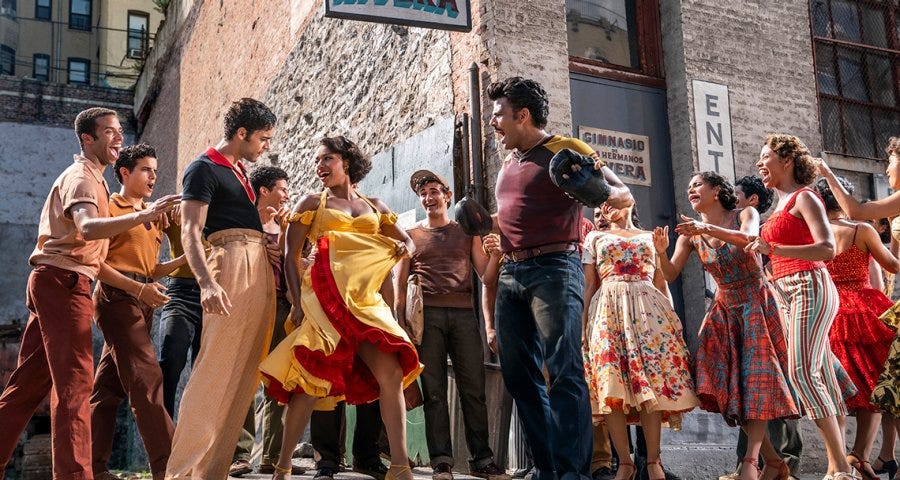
(440, 14)
(627, 155)
(712, 119)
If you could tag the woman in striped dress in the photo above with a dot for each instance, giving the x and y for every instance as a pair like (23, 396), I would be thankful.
(798, 240)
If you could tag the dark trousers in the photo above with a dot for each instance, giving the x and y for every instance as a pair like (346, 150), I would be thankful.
(326, 432)
(454, 332)
(539, 307)
(128, 369)
(785, 437)
(55, 357)
(270, 410)
(180, 323)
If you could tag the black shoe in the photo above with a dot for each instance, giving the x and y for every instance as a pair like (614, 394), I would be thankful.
(490, 472)
(442, 471)
(239, 468)
(325, 473)
(520, 473)
(603, 473)
(889, 467)
(376, 470)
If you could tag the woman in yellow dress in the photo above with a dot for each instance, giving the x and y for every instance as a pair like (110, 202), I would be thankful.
(346, 344)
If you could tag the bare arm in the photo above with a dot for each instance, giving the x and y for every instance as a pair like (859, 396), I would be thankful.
(670, 269)
(149, 293)
(881, 208)
(619, 194)
(488, 301)
(591, 285)
(294, 264)
(165, 268)
(749, 228)
(879, 252)
(94, 227)
(876, 279)
(400, 285)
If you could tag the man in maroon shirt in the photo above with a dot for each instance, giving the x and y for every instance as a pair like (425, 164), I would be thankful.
(541, 284)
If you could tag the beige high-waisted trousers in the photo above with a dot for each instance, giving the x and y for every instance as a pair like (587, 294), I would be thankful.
(226, 374)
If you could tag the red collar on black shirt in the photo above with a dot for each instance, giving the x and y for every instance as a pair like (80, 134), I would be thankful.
(239, 170)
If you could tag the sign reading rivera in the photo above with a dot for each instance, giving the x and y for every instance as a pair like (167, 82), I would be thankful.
(627, 155)
(441, 14)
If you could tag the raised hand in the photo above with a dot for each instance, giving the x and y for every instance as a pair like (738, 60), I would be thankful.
(690, 227)
(490, 243)
(758, 245)
(155, 209)
(661, 239)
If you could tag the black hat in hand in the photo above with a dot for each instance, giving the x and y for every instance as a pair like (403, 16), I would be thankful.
(472, 217)
(586, 185)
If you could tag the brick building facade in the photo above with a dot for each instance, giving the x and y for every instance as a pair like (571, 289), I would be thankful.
(390, 87)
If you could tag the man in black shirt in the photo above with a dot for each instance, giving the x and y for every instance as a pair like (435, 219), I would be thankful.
(237, 294)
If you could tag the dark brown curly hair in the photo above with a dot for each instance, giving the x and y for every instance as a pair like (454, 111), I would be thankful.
(358, 164)
(893, 147)
(726, 194)
(789, 146)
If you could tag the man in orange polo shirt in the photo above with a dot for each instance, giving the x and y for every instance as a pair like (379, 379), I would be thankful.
(56, 355)
(128, 366)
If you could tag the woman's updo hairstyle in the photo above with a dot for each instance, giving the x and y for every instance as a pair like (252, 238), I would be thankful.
(726, 191)
(789, 146)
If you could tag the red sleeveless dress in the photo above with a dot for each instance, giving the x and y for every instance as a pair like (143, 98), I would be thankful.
(858, 339)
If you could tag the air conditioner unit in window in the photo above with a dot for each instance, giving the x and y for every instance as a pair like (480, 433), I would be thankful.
(135, 53)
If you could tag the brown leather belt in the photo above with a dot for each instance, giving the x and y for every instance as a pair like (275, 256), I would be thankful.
(526, 253)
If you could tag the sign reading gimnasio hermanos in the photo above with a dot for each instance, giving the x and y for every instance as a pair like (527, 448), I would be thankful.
(626, 154)
(440, 14)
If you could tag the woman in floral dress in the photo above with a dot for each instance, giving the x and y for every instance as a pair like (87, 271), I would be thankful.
(638, 368)
(739, 368)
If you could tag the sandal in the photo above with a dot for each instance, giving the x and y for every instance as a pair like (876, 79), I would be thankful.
(856, 461)
(281, 472)
(656, 462)
(783, 471)
(887, 466)
(750, 461)
(400, 470)
(633, 468)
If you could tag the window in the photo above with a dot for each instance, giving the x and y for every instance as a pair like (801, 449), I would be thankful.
(857, 50)
(610, 37)
(8, 8)
(137, 33)
(7, 60)
(41, 67)
(80, 14)
(79, 71)
(42, 9)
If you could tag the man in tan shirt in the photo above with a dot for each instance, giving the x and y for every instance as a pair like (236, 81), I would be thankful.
(55, 355)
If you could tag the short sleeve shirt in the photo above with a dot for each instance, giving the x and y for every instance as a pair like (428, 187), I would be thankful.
(218, 186)
(137, 249)
(59, 242)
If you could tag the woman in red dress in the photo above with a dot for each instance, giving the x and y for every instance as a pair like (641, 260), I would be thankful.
(859, 340)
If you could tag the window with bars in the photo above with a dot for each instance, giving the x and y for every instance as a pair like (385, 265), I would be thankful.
(857, 49)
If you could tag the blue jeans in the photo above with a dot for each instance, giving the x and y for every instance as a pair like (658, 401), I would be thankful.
(538, 310)
(181, 322)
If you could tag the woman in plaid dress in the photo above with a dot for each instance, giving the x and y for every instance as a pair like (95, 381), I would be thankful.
(739, 367)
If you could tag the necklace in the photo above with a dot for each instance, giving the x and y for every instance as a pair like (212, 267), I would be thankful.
(521, 155)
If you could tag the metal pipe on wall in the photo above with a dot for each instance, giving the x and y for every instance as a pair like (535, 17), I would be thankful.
(476, 137)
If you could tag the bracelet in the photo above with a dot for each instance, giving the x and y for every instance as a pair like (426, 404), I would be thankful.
(141, 291)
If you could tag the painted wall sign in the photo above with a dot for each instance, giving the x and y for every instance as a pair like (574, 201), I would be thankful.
(628, 155)
(440, 14)
(712, 119)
